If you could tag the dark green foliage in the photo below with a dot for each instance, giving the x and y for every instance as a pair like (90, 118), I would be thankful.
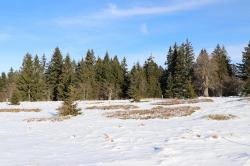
(108, 78)
(66, 78)
(38, 85)
(223, 69)
(15, 98)
(153, 75)
(85, 77)
(53, 75)
(125, 82)
(25, 81)
(180, 71)
(246, 69)
(137, 88)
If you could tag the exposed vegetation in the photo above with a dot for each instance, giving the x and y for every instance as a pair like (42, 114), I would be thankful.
(20, 110)
(113, 107)
(155, 113)
(51, 119)
(220, 117)
(182, 101)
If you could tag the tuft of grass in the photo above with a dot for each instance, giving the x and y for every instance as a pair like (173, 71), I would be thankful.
(113, 107)
(220, 117)
(182, 101)
(20, 110)
(154, 113)
(51, 119)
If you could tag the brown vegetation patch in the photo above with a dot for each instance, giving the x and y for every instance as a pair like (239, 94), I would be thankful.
(155, 113)
(113, 107)
(220, 117)
(20, 110)
(182, 101)
(51, 119)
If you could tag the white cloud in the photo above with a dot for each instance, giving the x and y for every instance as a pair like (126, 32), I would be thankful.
(136, 11)
(112, 11)
(144, 29)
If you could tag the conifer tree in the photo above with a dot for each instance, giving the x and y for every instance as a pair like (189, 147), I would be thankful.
(137, 87)
(224, 70)
(246, 69)
(85, 76)
(118, 77)
(69, 107)
(125, 82)
(25, 81)
(38, 86)
(15, 98)
(153, 75)
(53, 75)
(66, 78)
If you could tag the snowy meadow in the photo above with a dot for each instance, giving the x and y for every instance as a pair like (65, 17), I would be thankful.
(216, 132)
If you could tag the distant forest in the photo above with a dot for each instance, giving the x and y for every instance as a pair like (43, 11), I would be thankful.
(94, 78)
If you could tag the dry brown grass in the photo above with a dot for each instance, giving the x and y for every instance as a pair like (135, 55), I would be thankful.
(220, 117)
(20, 110)
(182, 101)
(113, 107)
(51, 119)
(155, 113)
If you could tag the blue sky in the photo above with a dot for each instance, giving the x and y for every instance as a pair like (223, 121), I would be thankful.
(131, 28)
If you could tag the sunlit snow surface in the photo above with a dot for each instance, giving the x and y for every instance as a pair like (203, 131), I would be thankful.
(92, 139)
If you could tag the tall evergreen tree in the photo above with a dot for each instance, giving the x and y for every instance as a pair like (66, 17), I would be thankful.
(118, 77)
(25, 81)
(224, 70)
(137, 87)
(246, 69)
(153, 75)
(38, 86)
(125, 82)
(66, 78)
(53, 75)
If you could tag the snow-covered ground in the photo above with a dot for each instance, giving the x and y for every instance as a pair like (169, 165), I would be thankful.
(92, 139)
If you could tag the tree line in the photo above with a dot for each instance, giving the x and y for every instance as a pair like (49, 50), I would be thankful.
(94, 78)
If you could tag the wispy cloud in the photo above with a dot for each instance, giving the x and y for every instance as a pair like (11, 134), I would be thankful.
(153, 10)
(112, 11)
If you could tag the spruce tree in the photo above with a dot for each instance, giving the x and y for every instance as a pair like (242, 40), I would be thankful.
(69, 107)
(224, 70)
(85, 77)
(53, 75)
(25, 81)
(38, 86)
(153, 75)
(125, 82)
(15, 98)
(118, 77)
(66, 79)
(246, 69)
(137, 87)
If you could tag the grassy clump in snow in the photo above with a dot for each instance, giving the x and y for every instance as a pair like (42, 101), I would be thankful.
(221, 117)
(113, 107)
(154, 113)
(51, 119)
(20, 110)
(182, 101)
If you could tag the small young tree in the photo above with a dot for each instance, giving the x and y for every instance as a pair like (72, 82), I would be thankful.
(69, 107)
(15, 98)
